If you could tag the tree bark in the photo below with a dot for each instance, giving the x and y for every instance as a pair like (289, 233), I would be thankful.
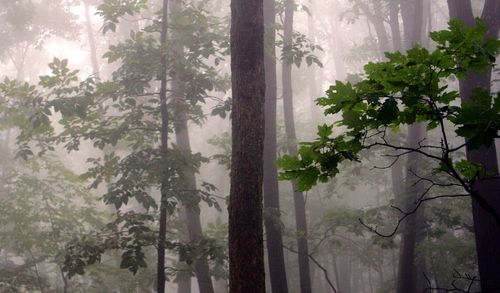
(274, 238)
(160, 271)
(246, 249)
(487, 231)
(298, 197)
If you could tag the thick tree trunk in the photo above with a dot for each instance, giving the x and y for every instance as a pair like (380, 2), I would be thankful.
(298, 197)
(274, 243)
(487, 231)
(160, 270)
(246, 251)
(91, 40)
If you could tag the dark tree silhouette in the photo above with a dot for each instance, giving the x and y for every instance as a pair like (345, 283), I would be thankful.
(246, 248)
(274, 238)
(487, 230)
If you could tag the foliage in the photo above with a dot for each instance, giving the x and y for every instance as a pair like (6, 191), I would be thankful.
(42, 206)
(122, 118)
(301, 49)
(406, 89)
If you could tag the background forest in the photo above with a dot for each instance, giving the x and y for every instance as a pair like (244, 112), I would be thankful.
(116, 146)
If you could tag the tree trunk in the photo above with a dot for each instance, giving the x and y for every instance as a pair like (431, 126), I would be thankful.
(487, 231)
(90, 36)
(356, 272)
(337, 276)
(394, 23)
(376, 19)
(246, 251)
(412, 228)
(409, 270)
(192, 212)
(272, 222)
(298, 197)
(312, 79)
(183, 277)
(412, 13)
(345, 272)
(160, 271)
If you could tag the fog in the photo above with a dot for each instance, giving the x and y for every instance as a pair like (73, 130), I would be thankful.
(116, 141)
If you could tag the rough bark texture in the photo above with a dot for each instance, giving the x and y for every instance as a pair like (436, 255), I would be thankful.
(246, 251)
(274, 238)
(160, 270)
(487, 231)
(298, 197)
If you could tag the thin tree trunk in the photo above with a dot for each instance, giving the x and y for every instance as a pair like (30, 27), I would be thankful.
(376, 19)
(356, 274)
(298, 197)
(412, 12)
(409, 270)
(91, 39)
(274, 243)
(487, 231)
(412, 227)
(164, 152)
(345, 273)
(394, 23)
(313, 84)
(64, 279)
(192, 213)
(183, 277)
(246, 249)
(381, 275)
(37, 273)
(337, 276)
(370, 279)
(195, 233)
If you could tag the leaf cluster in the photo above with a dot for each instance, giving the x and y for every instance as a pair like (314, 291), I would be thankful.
(406, 89)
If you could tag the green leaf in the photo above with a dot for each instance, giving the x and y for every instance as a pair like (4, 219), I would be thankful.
(388, 112)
